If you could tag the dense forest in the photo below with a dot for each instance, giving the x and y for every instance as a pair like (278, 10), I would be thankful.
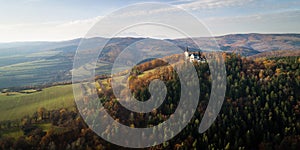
(260, 111)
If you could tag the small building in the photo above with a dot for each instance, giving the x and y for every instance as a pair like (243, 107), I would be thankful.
(192, 57)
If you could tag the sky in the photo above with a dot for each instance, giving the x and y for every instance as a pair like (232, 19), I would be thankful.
(56, 20)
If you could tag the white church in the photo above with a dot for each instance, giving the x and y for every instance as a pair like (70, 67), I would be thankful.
(192, 57)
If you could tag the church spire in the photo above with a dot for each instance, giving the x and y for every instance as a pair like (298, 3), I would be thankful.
(187, 49)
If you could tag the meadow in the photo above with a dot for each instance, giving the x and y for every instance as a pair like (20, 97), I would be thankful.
(16, 105)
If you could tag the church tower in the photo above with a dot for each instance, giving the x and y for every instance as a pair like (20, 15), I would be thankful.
(186, 53)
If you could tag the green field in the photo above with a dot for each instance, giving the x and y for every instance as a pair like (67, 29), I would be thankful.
(14, 132)
(18, 105)
(34, 69)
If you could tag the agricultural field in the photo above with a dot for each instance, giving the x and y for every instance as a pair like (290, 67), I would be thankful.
(34, 69)
(16, 105)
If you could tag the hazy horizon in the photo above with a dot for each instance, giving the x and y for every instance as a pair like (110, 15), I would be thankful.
(291, 33)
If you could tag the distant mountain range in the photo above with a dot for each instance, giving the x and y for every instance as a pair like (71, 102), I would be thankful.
(251, 44)
(246, 44)
(36, 63)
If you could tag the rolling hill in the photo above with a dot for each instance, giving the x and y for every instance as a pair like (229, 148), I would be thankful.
(44, 63)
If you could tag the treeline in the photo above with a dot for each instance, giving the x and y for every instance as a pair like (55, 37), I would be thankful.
(35, 87)
(277, 53)
(67, 131)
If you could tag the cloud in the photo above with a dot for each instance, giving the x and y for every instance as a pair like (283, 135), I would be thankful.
(188, 5)
(291, 15)
(90, 21)
(176, 2)
(276, 22)
(210, 4)
(47, 31)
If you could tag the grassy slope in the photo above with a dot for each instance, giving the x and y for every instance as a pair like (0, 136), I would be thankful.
(18, 105)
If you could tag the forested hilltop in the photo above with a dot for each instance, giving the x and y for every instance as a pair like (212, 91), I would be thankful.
(260, 111)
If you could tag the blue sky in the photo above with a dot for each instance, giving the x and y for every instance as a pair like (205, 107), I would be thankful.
(55, 20)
